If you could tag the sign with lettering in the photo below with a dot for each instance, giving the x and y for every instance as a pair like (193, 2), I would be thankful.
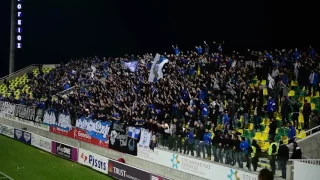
(93, 160)
(126, 172)
(198, 167)
(25, 112)
(64, 151)
(41, 142)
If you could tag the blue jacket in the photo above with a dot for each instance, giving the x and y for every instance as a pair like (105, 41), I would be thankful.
(207, 138)
(244, 145)
(190, 137)
(284, 79)
(271, 105)
(315, 79)
(225, 119)
(204, 111)
(292, 132)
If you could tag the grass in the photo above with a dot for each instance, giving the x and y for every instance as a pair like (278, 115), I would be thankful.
(23, 162)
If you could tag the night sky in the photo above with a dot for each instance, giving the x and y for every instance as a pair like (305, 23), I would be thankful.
(58, 30)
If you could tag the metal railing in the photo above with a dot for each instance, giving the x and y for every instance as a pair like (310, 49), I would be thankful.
(16, 72)
(308, 132)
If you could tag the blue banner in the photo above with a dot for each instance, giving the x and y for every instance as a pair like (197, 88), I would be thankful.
(94, 128)
(22, 136)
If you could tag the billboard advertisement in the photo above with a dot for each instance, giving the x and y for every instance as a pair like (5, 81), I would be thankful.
(198, 167)
(80, 135)
(7, 130)
(125, 172)
(22, 136)
(93, 160)
(41, 142)
(64, 151)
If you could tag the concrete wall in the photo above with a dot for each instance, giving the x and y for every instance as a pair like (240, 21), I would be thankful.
(18, 73)
(130, 160)
(310, 146)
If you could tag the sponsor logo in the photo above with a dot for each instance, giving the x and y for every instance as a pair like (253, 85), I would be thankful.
(233, 175)
(45, 144)
(97, 163)
(6, 131)
(27, 136)
(64, 150)
(84, 157)
(18, 133)
(175, 161)
(116, 170)
(83, 135)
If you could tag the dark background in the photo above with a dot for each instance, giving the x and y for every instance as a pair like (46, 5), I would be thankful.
(57, 30)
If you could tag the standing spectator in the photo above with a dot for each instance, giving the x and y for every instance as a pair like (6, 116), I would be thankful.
(199, 140)
(291, 133)
(273, 127)
(295, 114)
(306, 111)
(272, 153)
(314, 121)
(284, 111)
(190, 142)
(238, 155)
(257, 116)
(207, 142)
(226, 121)
(244, 146)
(255, 154)
(283, 157)
(271, 107)
(220, 148)
(227, 149)
(215, 145)
(314, 81)
(297, 153)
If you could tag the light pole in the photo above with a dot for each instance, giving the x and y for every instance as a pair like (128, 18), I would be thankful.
(12, 37)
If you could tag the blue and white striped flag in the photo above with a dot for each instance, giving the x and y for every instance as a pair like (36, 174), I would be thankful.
(156, 69)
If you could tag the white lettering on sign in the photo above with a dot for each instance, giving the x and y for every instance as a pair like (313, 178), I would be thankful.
(19, 22)
(120, 172)
(19, 45)
(64, 121)
(19, 6)
(96, 127)
(19, 14)
(49, 118)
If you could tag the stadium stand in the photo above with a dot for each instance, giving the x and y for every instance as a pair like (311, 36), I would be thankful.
(227, 95)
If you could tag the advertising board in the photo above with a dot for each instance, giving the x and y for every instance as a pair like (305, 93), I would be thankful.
(22, 136)
(93, 160)
(41, 142)
(65, 151)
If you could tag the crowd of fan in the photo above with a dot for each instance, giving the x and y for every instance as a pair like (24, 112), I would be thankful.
(189, 102)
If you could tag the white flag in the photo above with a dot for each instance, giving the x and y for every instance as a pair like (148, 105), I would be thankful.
(145, 138)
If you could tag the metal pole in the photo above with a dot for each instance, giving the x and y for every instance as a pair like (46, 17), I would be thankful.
(12, 37)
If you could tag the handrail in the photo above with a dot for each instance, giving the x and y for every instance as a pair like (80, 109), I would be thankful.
(16, 72)
(308, 161)
(310, 130)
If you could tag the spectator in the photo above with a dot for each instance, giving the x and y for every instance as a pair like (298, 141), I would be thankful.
(227, 142)
(306, 111)
(255, 152)
(297, 153)
(199, 140)
(285, 110)
(244, 146)
(295, 115)
(273, 127)
(207, 143)
(283, 157)
(291, 133)
(272, 153)
(314, 121)
(265, 174)
(271, 107)
(189, 142)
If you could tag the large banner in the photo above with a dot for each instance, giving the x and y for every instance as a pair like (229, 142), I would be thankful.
(27, 115)
(60, 120)
(41, 142)
(22, 136)
(25, 112)
(7, 110)
(124, 139)
(93, 160)
(7, 130)
(65, 151)
(198, 167)
(97, 131)
(125, 172)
